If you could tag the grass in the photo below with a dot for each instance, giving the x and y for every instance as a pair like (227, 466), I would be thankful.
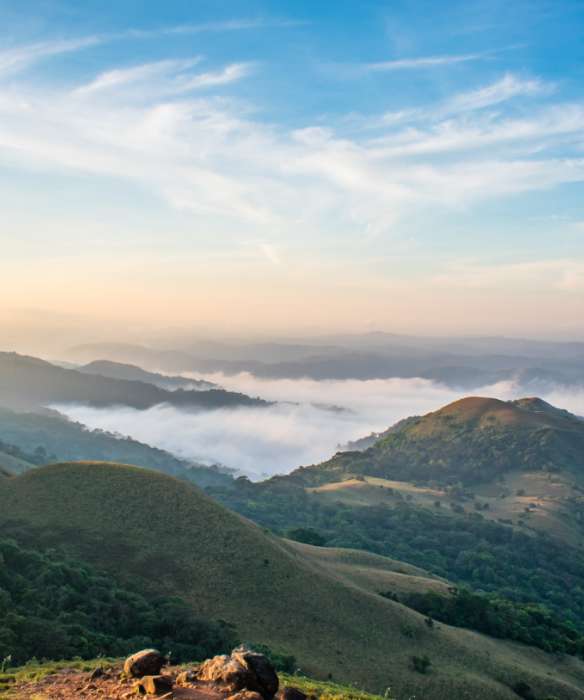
(167, 537)
(36, 670)
(371, 572)
(324, 690)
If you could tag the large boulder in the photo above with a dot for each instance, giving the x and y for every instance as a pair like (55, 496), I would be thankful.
(243, 670)
(147, 662)
(186, 677)
(266, 678)
(154, 685)
(291, 693)
(245, 695)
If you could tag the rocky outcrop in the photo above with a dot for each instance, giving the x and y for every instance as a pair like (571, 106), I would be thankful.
(154, 685)
(244, 669)
(147, 662)
(291, 694)
(216, 679)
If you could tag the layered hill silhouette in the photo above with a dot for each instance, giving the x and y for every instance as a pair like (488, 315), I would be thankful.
(119, 370)
(472, 440)
(167, 537)
(465, 363)
(30, 383)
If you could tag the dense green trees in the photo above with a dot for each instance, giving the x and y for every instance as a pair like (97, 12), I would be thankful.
(497, 617)
(57, 608)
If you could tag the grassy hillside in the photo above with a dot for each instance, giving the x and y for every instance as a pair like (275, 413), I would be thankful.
(470, 441)
(167, 537)
(372, 572)
(9, 464)
(28, 383)
(53, 437)
(532, 501)
(4, 473)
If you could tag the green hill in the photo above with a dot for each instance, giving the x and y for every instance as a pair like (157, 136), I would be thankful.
(473, 440)
(10, 465)
(51, 436)
(165, 537)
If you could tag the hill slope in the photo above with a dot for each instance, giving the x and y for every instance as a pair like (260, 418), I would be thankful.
(53, 437)
(472, 440)
(170, 538)
(9, 464)
(28, 383)
(119, 370)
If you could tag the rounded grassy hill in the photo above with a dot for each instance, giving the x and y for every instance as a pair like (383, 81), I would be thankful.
(168, 537)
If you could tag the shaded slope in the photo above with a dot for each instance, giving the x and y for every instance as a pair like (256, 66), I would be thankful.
(119, 370)
(475, 439)
(27, 382)
(170, 538)
(60, 439)
(9, 464)
(372, 572)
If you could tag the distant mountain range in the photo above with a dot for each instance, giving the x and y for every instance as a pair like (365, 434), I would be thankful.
(465, 363)
(118, 370)
(27, 383)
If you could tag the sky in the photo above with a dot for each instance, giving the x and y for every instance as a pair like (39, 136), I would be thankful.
(291, 166)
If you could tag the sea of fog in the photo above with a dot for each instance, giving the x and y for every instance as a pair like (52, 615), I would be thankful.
(310, 420)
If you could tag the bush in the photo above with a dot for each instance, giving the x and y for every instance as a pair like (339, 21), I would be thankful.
(306, 535)
(421, 664)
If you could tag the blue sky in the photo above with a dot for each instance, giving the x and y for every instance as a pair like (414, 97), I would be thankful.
(293, 166)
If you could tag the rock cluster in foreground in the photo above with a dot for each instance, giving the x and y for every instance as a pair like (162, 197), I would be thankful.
(242, 675)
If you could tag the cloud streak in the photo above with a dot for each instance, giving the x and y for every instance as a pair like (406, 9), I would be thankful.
(421, 62)
(21, 57)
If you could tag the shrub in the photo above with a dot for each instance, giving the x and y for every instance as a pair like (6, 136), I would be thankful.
(421, 664)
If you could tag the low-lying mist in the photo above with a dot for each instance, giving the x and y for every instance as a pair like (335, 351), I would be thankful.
(307, 425)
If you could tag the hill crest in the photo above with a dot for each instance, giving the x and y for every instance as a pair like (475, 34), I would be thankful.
(474, 439)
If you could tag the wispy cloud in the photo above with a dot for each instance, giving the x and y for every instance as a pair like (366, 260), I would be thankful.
(450, 135)
(421, 62)
(229, 74)
(122, 76)
(165, 77)
(21, 57)
(216, 158)
(507, 88)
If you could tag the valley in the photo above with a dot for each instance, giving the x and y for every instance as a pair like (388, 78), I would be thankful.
(334, 565)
